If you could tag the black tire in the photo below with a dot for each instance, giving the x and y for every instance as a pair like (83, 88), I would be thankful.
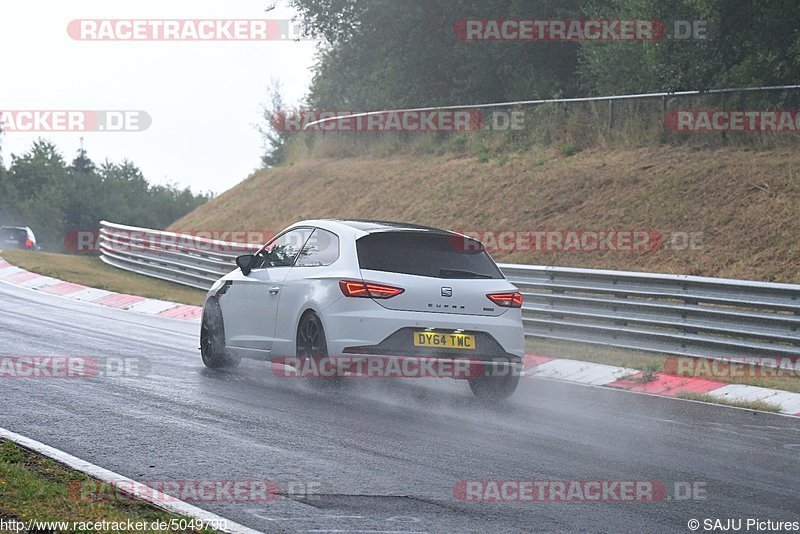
(490, 388)
(212, 338)
(311, 341)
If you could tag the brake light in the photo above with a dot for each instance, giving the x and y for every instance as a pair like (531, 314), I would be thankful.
(506, 300)
(352, 288)
(28, 243)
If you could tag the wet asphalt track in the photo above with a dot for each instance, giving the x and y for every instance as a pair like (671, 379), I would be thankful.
(383, 456)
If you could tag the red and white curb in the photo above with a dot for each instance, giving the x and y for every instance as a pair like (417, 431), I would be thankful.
(131, 487)
(121, 301)
(665, 385)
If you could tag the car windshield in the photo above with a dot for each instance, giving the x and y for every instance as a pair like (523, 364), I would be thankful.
(18, 235)
(437, 255)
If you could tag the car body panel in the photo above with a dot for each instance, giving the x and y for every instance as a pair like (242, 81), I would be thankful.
(251, 306)
(440, 295)
(262, 325)
(17, 237)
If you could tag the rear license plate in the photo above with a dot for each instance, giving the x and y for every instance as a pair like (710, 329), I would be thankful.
(445, 341)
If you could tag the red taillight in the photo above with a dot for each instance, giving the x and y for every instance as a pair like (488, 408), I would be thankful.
(352, 288)
(506, 300)
(28, 243)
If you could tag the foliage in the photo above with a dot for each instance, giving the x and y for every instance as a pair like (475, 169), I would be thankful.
(380, 54)
(276, 140)
(386, 54)
(42, 191)
(747, 44)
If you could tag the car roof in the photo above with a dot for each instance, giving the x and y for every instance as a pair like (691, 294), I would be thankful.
(14, 228)
(367, 226)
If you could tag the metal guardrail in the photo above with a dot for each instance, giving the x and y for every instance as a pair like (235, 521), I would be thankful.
(674, 314)
(181, 258)
(517, 103)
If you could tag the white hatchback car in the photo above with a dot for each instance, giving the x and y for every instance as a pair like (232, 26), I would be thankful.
(369, 289)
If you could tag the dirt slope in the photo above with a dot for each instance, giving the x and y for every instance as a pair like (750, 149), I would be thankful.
(745, 203)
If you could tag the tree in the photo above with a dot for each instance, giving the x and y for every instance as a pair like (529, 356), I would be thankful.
(275, 138)
(82, 163)
(34, 190)
(387, 54)
(42, 166)
(41, 191)
(6, 193)
(748, 44)
(82, 211)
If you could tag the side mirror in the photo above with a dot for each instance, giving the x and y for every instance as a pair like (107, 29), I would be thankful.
(245, 263)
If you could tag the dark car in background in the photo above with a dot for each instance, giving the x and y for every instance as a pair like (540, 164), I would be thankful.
(20, 237)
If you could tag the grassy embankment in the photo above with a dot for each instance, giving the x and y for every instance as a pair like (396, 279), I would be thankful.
(743, 201)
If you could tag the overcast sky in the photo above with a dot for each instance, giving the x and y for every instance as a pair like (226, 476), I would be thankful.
(204, 97)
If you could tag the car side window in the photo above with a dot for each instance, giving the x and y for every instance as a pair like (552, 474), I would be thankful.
(283, 250)
(321, 249)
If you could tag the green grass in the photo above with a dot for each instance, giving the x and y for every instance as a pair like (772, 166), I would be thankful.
(595, 353)
(569, 149)
(90, 271)
(34, 487)
(762, 406)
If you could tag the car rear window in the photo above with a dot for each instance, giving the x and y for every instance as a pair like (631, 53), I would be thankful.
(425, 254)
(16, 234)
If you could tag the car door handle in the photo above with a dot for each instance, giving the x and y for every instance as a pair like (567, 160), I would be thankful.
(274, 290)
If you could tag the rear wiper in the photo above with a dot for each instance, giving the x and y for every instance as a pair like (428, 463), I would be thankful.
(455, 273)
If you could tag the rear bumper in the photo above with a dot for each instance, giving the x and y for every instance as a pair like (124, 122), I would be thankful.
(361, 326)
(400, 343)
